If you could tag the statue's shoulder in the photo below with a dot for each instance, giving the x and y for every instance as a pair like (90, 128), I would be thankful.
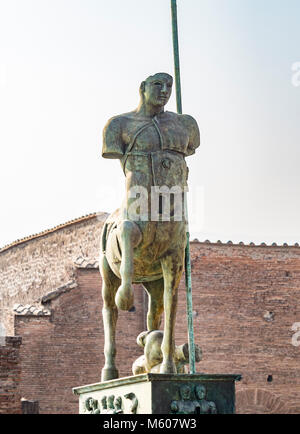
(113, 146)
(116, 122)
(191, 127)
(184, 119)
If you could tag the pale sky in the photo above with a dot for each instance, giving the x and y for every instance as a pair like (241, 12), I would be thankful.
(67, 66)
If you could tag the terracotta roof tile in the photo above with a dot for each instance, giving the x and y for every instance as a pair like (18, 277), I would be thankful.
(82, 262)
(72, 284)
(28, 310)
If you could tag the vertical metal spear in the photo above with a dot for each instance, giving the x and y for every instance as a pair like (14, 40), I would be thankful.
(188, 273)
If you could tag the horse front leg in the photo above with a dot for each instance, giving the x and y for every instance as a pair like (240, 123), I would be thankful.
(129, 236)
(172, 267)
(110, 284)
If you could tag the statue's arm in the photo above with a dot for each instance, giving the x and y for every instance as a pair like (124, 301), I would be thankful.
(194, 134)
(113, 146)
(213, 408)
(174, 406)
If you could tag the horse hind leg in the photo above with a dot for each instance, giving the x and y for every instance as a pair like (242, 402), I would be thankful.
(172, 267)
(155, 290)
(130, 237)
(110, 284)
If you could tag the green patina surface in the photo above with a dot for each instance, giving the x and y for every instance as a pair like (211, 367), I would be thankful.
(167, 393)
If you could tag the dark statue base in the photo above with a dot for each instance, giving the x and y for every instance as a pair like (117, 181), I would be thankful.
(160, 394)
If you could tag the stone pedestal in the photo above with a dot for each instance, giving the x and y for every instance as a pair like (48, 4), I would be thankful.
(160, 394)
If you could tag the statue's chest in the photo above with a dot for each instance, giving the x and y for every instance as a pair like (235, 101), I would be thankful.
(204, 407)
(147, 140)
(156, 136)
(185, 407)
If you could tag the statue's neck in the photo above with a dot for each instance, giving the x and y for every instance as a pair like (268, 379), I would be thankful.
(149, 111)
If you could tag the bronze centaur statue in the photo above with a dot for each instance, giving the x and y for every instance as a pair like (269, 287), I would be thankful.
(139, 246)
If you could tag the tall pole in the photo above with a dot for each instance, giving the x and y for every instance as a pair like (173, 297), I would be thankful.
(188, 272)
(176, 56)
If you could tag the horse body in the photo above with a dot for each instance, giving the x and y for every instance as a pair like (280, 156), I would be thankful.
(157, 263)
(159, 240)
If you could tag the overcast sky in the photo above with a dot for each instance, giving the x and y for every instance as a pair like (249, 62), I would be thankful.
(67, 66)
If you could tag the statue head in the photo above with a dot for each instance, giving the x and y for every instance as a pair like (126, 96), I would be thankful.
(91, 404)
(200, 392)
(104, 402)
(118, 403)
(156, 335)
(185, 393)
(110, 401)
(140, 340)
(156, 89)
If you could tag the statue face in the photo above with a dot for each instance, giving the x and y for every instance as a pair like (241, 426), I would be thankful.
(185, 393)
(118, 402)
(158, 89)
(89, 405)
(201, 392)
(110, 401)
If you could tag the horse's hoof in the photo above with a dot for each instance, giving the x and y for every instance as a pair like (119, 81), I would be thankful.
(168, 368)
(124, 297)
(109, 374)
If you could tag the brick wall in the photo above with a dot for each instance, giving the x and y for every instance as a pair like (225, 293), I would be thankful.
(65, 350)
(233, 288)
(31, 268)
(10, 373)
(246, 301)
(245, 304)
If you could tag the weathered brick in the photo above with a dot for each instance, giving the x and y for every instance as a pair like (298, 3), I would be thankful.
(245, 300)
(10, 373)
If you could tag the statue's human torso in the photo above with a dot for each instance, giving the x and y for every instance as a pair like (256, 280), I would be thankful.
(152, 150)
(173, 129)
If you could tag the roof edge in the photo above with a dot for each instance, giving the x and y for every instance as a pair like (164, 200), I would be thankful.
(50, 231)
(242, 244)
(99, 216)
